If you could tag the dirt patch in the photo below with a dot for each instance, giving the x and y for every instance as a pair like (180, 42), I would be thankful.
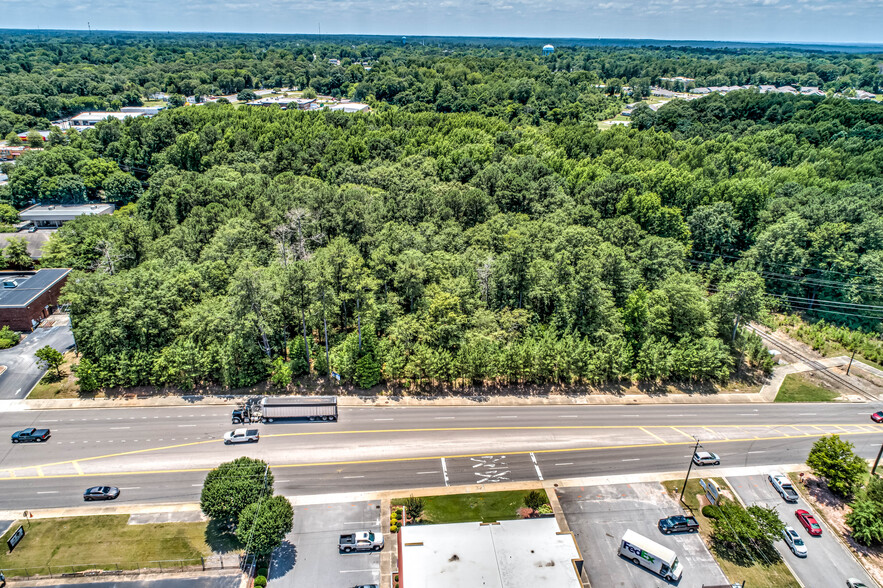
(834, 510)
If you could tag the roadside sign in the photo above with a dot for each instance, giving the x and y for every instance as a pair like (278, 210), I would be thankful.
(16, 537)
(711, 491)
(335, 375)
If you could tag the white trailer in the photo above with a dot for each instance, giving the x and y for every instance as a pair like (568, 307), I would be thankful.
(321, 408)
(651, 555)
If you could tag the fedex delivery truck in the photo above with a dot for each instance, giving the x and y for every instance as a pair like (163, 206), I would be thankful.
(651, 555)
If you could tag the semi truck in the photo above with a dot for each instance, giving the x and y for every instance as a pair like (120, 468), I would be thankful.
(272, 408)
(651, 555)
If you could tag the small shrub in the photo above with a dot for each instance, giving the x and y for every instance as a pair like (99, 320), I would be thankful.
(709, 511)
(534, 499)
(263, 572)
(545, 509)
(414, 507)
(394, 529)
(8, 337)
(260, 581)
(398, 512)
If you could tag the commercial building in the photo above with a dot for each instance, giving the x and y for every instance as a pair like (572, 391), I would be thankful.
(350, 107)
(527, 553)
(90, 119)
(28, 297)
(53, 216)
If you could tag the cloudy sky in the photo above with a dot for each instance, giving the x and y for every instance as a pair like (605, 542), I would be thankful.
(816, 21)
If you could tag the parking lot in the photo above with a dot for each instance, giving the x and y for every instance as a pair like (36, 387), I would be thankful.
(827, 563)
(309, 555)
(598, 517)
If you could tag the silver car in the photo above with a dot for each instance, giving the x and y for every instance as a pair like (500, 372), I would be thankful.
(795, 543)
(706, 458)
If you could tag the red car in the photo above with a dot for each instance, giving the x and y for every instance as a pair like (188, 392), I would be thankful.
(809, 523)
(877, 417)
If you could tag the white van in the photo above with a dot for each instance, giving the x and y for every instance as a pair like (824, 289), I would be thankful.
(651, 555)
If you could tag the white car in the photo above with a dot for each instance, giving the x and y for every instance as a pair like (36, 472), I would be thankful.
(706, 458)
(855, 583)
(795, 543)
(241, 436)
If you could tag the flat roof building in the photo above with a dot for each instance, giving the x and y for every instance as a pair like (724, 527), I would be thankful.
(28, 297)
(350, 107)
(90, 119)
(527, 553)
(53, 216)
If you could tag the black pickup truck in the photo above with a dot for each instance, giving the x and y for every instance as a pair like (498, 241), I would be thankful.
(29, 435)
(678, 524)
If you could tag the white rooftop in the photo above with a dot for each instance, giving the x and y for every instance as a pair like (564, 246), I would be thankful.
(63, 213)
(527, 553)
(98, 116)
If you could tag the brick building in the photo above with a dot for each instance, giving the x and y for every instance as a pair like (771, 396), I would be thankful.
(28, 297)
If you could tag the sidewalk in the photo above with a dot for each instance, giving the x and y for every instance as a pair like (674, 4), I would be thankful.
(767, 394)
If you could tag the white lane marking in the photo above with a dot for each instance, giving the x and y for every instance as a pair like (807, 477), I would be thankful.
(748, 414)
(352, 477)
(384, 419)
(432, 472)
(131, 488)
(680, 415)
(196, 485)
(50, 421)
(365, 523)
(806, 414)
(568, 416)
(564, 463)
(17, 391)
(536, 466)
(119, 428)
(507, 417)
(186, 425)
(445, 471)
(633, 459)
(444, 418)
(757, 452)
(356, 571)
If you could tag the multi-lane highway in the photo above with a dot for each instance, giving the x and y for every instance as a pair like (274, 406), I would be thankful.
(162, 454)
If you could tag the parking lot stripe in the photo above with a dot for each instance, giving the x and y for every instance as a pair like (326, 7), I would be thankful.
(652, 434)
(682, 433)
(444, 471)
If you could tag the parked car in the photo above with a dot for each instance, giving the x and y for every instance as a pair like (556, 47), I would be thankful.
(795, 543)
(101, 493)
(855, 583)
(677, 524)
(241, 436)
(360, 541)
(877, 417)
(367, 586)
(783, 486)
(706, 458)
(31, 435)
(809, 522)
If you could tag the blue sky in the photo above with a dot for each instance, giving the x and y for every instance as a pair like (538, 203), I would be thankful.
(814, 21)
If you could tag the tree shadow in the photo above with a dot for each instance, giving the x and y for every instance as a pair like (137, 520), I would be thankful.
(284, 558)
(746, 555)
(219, 536)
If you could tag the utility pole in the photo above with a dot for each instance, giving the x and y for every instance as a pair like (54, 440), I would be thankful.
(325, 320)
(877, 461)
(850, 367)
(689, 467)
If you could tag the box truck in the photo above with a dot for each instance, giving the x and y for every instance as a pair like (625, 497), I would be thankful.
(651, 555)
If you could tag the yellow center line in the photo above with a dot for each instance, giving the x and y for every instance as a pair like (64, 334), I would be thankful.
(78, 468)
(652, 434)
(39, 472)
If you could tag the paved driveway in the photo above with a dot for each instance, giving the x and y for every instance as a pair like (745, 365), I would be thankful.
(22, 372)
(309, 556)
(598, 517)
(827, 563)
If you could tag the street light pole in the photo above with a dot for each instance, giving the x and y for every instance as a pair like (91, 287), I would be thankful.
(690, 467)
(877, 461)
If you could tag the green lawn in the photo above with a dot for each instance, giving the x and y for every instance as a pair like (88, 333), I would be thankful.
(797, 388)
(104, 541)
(776, 575)
(486, 507)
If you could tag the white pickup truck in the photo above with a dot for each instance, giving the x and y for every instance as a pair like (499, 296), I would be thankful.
(783, 486)
(360, 541)
(241, 436)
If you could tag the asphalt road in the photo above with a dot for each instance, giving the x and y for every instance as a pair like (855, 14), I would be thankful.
(232, 581)
(309, 556)
(22, 372)
(599, 516)
(162, 454)
(827, 562)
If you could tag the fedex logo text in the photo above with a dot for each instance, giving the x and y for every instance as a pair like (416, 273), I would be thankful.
(639, 552)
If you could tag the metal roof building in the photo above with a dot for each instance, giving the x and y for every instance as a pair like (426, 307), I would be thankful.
(28, 297)
(55, 215)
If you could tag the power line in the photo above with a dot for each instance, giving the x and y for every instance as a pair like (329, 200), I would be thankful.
(813, 269)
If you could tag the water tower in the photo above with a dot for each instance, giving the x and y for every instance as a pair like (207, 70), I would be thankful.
(548, 50)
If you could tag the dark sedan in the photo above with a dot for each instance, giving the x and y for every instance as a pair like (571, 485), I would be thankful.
(101, 493)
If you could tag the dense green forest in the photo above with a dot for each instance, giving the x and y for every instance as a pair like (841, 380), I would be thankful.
(419, 245)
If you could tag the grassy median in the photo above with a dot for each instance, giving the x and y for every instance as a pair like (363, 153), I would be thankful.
(485, 507)
(798, 388)
(105, 541)
(769, 573)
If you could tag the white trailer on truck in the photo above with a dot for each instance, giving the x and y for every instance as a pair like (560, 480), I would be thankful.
(651, 555)
(314, 408)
